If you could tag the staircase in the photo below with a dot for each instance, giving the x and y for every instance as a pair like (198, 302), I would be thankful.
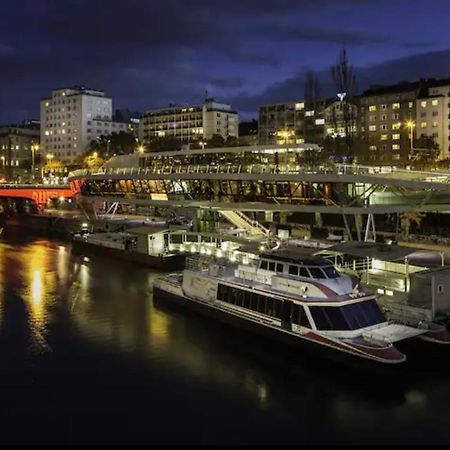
(240, 220)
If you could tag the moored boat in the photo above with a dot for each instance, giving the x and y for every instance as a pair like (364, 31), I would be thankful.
(300, 301)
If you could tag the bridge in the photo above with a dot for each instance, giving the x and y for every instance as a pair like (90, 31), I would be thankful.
(348, 191)
(39, 193)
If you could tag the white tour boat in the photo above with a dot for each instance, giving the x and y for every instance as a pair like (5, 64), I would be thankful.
(294, 299)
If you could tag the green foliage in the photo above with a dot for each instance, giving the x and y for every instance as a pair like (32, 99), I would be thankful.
(114, 144)
(216, 140)
(164, 144)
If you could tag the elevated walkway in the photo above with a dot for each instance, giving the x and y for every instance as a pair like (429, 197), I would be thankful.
(240, 220)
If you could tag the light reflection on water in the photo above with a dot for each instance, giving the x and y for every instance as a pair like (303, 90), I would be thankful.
(73, 321)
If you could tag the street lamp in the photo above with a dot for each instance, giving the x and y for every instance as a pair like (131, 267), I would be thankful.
(34, 148)
(141, 149)
(411, 124)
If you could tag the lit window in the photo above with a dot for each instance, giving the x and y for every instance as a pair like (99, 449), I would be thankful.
(47, 133)
(372, 147)
(395, 137)
(423, 124)
(395, 105)
(394, 157)
(410, 104)
(300, 141)
(372, 128)
(384, 137)
(299, 106)
(423, 104)
(320, 121)
(309, 113)
(435, 102)
(372, 108)
(435, 124)
(396, 126)
(395, 147)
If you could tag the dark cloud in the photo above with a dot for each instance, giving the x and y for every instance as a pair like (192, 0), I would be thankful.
(424, 65)
(147, 53)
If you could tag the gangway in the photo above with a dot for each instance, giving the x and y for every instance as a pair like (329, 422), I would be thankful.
(240, 220)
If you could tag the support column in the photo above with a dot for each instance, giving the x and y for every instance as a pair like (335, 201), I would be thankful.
(318, 220)
(347, 228)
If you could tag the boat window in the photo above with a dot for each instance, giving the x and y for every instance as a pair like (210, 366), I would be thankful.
(348, 317)
(272, 266)
(316, 272)
(331, 272)
(293, 270)
(304, 272)
(299, 316)
(263, 265)
(280, 267)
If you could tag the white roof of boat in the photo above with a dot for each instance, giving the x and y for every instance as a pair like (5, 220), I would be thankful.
(378, 250)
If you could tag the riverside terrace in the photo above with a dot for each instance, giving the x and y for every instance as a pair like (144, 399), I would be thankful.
(264, 179)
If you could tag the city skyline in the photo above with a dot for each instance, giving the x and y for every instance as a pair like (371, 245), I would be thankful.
(246, 54)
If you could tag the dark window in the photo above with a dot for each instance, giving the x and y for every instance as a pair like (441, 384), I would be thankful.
(246, 299)
(293, 270)
(348, 317)
(269, 306)
(272, 266)
(239, 296)
(304, 272)
(280, 268)
(262, 304)
(319, 317)
(278, 309)
(264, 265)
(331, 272)
(316, 272)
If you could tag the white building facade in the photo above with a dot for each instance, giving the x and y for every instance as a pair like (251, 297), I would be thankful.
(73, 117)
(433, 117)
(190, 123)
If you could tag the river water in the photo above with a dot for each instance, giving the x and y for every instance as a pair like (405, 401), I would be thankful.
(86, 357)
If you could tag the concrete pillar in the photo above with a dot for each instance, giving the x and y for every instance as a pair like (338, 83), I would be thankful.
(318, 220)
(268, 216)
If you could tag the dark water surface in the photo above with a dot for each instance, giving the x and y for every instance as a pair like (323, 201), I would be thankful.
(86, 357)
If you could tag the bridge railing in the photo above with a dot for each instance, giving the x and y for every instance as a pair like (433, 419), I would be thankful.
(347, 169)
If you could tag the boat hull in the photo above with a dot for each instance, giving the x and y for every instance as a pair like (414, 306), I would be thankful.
(163, 263)
(313, 343)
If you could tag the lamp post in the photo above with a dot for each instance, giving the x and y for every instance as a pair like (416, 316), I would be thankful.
(34, 147)
(49, 157)
(410, 124)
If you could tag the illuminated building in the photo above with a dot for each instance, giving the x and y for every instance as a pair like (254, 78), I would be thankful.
(301, 121)
(73, 117)
(190, 123)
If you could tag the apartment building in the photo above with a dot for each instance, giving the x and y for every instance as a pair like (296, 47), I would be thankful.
(19, 146)
(190, 123)
(73, 117)
(386, 116)
(433, 115)
(301, 121)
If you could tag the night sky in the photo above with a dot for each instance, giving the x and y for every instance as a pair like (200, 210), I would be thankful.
(148, 53)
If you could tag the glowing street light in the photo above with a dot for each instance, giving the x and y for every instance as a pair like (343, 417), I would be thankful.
(411, 124)
(141, 149)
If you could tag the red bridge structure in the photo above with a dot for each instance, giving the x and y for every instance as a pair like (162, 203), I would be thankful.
(39, 193)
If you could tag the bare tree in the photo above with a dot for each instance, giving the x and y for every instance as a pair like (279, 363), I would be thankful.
(344, 78)
(312, 87)
(312, 98)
